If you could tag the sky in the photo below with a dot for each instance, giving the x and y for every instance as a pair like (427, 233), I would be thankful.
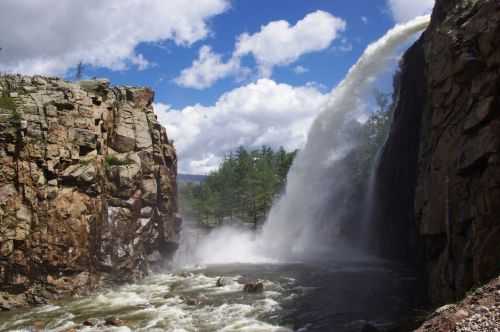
(225, 72)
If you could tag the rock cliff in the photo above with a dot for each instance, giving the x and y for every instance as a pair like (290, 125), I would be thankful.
(87, 186)
(442, 159)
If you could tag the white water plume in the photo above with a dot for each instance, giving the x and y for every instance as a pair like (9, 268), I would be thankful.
(301, 221)
(293, 221)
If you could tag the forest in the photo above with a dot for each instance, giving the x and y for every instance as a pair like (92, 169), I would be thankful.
(244, 187)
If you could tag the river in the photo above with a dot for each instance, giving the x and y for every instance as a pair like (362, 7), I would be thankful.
(315, 296)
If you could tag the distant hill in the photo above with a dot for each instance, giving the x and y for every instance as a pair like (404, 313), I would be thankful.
(191, 178)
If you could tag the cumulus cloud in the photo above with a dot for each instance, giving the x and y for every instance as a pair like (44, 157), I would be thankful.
(405, 10)
(260, 113)
(276, 44)
(96, 32)
(207, 69)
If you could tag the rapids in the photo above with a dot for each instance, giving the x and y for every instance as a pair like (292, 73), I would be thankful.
(317, 296)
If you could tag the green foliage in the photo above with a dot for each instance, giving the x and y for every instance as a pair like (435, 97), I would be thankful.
(7, 102)
(15, 118)
(247, 182)
(114, 161)
(373, 134)
(242, 189)
(89, 161)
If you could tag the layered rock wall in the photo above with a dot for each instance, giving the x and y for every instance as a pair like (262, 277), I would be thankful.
(450, 171)
(87, 186)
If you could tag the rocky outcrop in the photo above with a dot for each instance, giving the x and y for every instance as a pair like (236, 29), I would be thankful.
(450, 172)
(479, 311)
(87, 186)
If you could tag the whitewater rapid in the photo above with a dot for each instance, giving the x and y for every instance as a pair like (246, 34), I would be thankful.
(175, 302)
(296, 223)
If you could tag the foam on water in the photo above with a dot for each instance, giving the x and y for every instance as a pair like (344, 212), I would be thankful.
(162, 303)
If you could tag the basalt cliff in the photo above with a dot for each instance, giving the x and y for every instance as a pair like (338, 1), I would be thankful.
(87, 187)
(438, 181)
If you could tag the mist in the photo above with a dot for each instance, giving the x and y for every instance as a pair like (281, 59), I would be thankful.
(301, 223)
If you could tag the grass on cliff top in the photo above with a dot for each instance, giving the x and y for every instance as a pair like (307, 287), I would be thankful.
(7, 102)
(113, 161)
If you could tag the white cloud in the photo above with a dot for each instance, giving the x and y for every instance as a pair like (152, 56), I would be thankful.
(264, 112)
(207, 69)
(278, 43)
(300, 70)
(364, 19)
(405, 10)
(96, 32)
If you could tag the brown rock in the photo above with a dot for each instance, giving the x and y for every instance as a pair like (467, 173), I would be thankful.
(113, 321)
(71, 186)
(257, 287)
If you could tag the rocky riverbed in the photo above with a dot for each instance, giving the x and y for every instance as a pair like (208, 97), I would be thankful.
(478, 312)
(338, 296)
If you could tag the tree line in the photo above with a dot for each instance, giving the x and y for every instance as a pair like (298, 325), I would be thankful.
(247, 183)
(241, 190)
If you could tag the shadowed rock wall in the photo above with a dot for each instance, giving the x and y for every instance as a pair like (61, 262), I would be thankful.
(454, 185)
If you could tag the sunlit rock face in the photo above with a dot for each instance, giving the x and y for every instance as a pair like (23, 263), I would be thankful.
(455, 186)
(87, 186)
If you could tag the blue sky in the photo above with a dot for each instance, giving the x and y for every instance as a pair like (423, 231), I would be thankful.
(225, 72)
(327, 67)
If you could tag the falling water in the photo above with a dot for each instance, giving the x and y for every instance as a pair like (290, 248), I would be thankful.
(294, 221)
(301, 222)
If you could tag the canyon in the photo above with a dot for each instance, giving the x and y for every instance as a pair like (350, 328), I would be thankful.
(88, 199)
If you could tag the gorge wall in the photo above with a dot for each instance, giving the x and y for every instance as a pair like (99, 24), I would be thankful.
(438, 182)
(87, 186)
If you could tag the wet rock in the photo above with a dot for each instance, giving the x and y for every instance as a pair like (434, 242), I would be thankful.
(38, 326)
(113, 321)
(191, 301)
(223, 281)
(9, 301)
(90, 322)
(369, 328)
(257, 287)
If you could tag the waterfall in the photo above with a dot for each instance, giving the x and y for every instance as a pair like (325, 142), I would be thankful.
(295, 220)
(301, 222)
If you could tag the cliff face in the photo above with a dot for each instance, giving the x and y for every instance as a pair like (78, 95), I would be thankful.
(450, 172)
(394, 212)
(87, 186)
(457, 199)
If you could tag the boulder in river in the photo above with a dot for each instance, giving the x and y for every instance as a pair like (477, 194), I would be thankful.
(113, 321)
(256, 287)
(222, 281)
